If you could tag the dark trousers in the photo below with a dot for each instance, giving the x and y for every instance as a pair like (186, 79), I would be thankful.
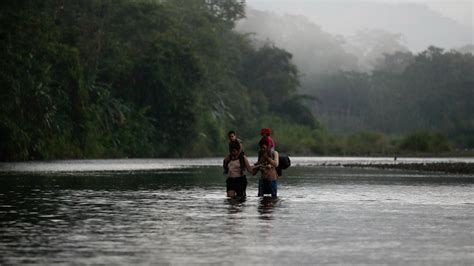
(238, 184)
(267, 187)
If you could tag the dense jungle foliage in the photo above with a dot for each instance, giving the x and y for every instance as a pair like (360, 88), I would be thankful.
(151, 78)
(127, 78)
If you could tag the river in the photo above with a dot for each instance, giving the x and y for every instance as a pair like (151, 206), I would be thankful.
(175, 212)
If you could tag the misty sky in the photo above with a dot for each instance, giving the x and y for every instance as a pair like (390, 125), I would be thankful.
(459, 10)
(448, 24)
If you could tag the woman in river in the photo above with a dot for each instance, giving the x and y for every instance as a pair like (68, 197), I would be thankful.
(236, 180)
(267, 163)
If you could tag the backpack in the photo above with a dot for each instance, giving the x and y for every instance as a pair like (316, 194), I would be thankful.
(284, 163)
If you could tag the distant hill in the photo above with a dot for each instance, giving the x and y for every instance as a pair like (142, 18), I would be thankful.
(315, 51)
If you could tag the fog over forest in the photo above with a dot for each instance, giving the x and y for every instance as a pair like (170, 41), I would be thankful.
(359, 59)
(353, 35)
(420, 23)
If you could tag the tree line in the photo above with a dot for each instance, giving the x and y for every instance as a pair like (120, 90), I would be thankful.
(135, 78)
(370, 85)
(431, 91)
(169, 78)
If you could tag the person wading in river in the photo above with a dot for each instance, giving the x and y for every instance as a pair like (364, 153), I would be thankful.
(236, 180)
(232, 136)
(267, 163)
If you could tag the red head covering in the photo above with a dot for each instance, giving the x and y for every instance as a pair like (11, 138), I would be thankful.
(265, 130)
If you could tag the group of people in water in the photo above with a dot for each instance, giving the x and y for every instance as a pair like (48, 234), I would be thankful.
(236, 164)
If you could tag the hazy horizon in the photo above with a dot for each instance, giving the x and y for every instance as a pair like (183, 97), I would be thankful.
(421, 23)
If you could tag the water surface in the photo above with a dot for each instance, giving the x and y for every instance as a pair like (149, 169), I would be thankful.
(127, 165)
(180, 215)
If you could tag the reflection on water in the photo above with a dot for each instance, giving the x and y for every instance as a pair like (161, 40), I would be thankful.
(266, 206)
(322, 215)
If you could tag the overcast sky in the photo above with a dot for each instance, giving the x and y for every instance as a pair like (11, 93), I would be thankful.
(459, 10)
(446, 24)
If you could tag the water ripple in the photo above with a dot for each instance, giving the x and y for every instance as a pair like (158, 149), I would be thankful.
(339, 216)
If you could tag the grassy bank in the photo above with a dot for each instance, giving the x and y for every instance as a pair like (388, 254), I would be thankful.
(304, 141)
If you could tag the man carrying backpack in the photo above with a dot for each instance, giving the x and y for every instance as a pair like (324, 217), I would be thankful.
(267, 164)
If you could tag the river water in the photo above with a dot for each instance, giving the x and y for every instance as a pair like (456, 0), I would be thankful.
(176, 212)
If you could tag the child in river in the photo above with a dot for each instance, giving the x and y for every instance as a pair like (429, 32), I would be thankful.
(265, 132)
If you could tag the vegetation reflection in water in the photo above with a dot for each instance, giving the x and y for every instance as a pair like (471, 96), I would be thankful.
(325, 215)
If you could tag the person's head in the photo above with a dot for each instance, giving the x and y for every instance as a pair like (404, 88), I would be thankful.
(234, 148)
(263, 145)
(265, 132)
(232, 136)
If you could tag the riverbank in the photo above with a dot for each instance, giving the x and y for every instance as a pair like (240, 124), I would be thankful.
(451, 167)
(460, 165)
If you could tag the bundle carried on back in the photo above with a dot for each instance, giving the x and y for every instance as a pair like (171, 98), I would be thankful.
(284, 163)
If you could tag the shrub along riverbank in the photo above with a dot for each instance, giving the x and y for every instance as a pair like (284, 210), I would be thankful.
(302, 140)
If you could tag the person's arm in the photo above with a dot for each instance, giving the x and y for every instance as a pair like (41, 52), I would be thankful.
(256, 168)
(275, 160)
(226, 161)
(249, 168)
(255, 171)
